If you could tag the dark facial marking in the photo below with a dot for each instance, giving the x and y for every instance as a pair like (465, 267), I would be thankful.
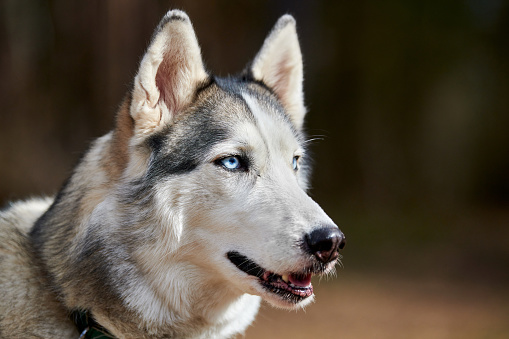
(182, 146)
(245, 264)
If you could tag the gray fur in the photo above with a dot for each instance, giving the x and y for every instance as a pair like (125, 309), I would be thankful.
(139, 234)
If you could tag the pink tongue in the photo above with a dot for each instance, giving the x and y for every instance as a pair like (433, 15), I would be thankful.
(300, 280)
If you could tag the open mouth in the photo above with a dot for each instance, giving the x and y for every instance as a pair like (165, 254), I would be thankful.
(291, 287)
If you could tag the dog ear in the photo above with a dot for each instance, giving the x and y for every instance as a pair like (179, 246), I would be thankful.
(169, 74)
(279, 65)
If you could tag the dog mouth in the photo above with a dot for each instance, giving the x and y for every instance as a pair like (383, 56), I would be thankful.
(291, 287)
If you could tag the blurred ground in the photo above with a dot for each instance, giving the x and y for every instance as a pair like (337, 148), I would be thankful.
(357, 306)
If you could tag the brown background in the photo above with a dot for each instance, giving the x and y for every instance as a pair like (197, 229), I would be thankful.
(409, 98)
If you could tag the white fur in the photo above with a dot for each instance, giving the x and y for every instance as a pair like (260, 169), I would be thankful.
(25, 213)
(176, 40)
(175, 277)
(222, 214)
(279, 65)
(183, 275)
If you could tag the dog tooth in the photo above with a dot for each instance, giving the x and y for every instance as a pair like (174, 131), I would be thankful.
(285, 277)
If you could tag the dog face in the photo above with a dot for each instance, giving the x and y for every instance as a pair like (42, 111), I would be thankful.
(218, 169)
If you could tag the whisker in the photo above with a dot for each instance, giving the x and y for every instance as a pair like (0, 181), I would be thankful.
(313, 139)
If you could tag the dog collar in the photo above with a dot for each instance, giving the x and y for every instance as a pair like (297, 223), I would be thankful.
(88, 327)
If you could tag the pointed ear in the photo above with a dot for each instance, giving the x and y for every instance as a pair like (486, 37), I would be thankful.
(279, 65)
(170, 72)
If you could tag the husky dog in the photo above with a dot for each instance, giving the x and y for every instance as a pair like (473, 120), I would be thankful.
(179, 221)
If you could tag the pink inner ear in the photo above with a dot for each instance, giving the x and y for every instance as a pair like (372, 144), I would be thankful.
(166, 82)
(282, 78)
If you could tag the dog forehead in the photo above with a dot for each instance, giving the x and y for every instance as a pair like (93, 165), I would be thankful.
(271, 125)
(251, 113)
(262, 109)
(222, 120)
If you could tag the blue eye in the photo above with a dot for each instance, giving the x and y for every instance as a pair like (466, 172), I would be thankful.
(295, 162)
(230, 163)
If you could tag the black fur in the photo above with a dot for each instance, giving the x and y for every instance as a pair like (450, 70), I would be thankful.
(245, 264)
(180, 148)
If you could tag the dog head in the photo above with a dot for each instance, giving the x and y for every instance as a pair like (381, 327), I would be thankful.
(216, 169)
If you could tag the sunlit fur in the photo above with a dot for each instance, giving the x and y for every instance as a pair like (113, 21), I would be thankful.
(139, 234)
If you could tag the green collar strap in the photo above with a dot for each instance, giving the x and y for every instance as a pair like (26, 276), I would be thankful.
(88, 327)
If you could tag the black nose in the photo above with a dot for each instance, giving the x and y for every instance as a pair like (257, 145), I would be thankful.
(325, 242)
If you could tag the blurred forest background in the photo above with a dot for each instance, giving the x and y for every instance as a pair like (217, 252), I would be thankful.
(409, 98)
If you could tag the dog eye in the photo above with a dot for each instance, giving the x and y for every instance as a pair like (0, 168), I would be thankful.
(231, 163)
(295, 163)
